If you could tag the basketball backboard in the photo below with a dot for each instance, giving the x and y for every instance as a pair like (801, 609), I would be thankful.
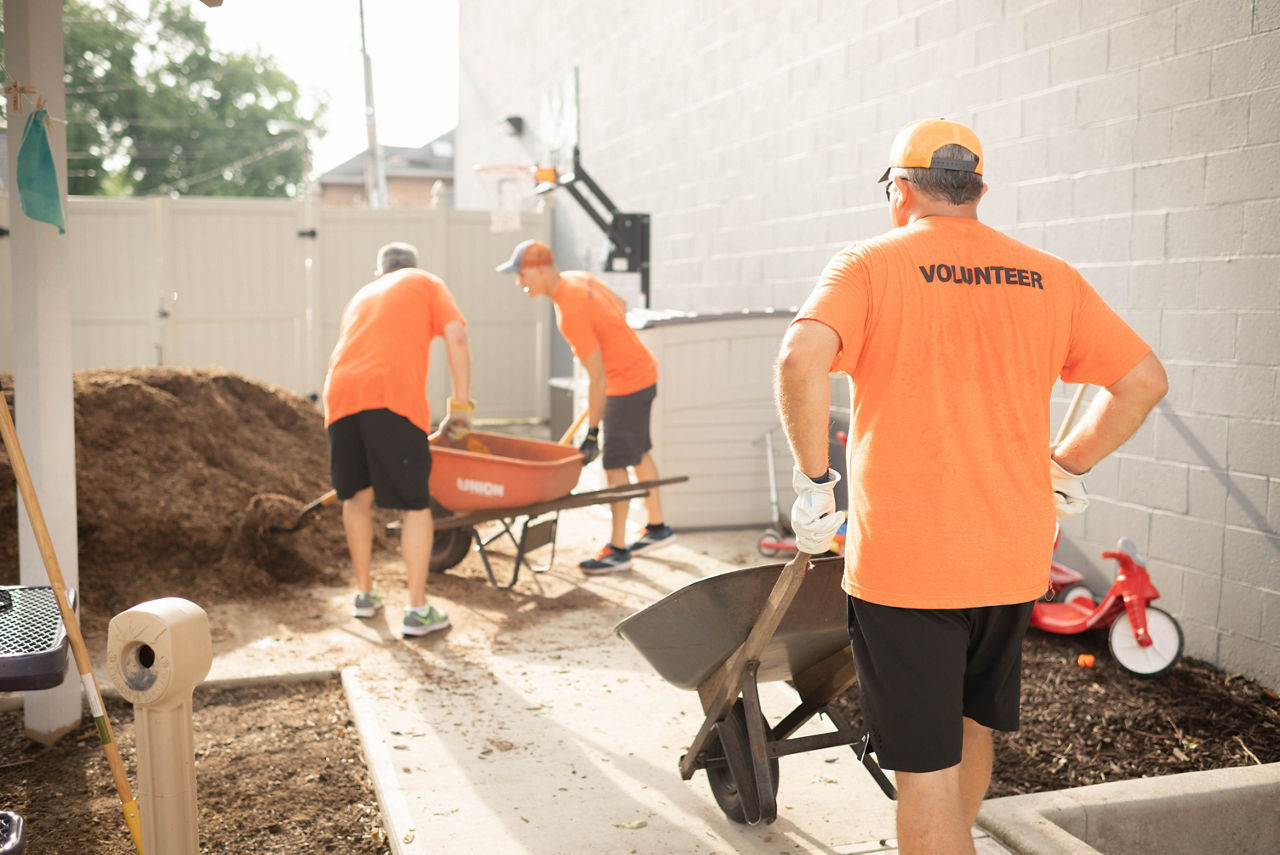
(556, 122)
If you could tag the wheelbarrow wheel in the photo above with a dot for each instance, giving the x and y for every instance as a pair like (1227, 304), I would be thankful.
(449, 547)
(1156, 658)
(724, 786)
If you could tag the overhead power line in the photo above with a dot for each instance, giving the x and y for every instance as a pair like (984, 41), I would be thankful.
(233, 165)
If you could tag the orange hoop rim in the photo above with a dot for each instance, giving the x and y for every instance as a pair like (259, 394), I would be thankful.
(541, 174)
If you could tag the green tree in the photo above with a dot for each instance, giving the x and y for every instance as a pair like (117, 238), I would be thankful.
(152, 108)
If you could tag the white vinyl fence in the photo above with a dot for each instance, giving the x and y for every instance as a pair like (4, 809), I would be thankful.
(257, 286)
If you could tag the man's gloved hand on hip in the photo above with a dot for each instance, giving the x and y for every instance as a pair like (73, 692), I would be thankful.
(590, 447)
(457, 420)
(814, 517)
(1069, 495)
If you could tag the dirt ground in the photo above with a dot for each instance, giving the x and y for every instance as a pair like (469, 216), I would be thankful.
(181, 477)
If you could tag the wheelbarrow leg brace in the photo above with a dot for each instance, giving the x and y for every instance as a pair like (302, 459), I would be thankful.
(862, 750)
(534, 533)
(759, 743)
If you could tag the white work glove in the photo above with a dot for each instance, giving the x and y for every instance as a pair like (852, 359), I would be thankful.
(1069, 495)
(814, 517)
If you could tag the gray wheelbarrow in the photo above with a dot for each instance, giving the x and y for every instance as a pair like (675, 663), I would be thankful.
(723, 635)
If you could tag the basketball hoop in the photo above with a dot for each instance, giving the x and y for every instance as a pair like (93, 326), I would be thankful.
(507, 185)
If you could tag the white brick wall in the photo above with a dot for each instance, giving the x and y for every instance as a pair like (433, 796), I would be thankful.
(1138, 139)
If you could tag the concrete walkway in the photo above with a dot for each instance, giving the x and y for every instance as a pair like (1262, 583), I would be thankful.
(553, 735)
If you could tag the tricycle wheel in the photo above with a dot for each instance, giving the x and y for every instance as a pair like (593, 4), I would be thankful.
(764, 544)
(449, 547)
(1075, 592)
(724, 785)
(1159, 656)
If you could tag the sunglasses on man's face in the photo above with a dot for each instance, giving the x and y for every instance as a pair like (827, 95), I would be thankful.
(889, 186)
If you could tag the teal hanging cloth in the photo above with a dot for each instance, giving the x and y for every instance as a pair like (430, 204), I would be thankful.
(36, 177)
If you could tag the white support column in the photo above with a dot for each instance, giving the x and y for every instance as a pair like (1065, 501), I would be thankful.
(41, 336)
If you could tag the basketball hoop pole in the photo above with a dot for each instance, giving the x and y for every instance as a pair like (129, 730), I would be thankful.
(628, 234)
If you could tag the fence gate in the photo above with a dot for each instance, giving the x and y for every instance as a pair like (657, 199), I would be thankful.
(258, 286)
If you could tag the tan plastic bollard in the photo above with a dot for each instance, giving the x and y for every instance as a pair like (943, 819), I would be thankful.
(157, 653)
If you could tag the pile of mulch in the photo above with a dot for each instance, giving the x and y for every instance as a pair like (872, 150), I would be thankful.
(183, 479)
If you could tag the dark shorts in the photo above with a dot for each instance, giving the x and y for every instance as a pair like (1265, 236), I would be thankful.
(383, 450)
(626, 428)
(921, 670)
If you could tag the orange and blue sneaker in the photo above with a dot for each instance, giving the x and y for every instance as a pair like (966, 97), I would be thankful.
(610, 559)
(654, 537)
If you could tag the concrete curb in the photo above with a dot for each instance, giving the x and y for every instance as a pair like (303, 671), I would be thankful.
(14, 700)
(1220, 810)
(404, 836)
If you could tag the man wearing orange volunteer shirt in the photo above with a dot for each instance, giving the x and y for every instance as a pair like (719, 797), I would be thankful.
(378, 419)
(623, 383)
(952, 335)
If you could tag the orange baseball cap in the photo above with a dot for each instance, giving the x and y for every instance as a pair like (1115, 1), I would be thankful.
(529, 253)
(916, 146)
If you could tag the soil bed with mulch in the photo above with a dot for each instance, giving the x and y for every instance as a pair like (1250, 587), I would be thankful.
(181, 477)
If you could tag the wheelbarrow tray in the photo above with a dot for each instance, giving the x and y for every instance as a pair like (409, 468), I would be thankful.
(723, 635)
(689, 633)
(519, 471)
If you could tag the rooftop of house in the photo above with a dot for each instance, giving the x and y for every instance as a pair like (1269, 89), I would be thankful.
(433, 160)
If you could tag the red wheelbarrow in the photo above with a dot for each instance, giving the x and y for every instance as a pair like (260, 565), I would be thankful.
(521, 483)
(724, 634)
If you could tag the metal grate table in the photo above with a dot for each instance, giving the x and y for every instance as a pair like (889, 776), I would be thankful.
(12, 834)
(33, 640)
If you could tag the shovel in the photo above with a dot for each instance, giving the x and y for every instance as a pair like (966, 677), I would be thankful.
(315, 504)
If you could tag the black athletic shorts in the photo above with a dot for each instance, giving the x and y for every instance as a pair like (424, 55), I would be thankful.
(921, 670)
(626, 428)
(383, 450)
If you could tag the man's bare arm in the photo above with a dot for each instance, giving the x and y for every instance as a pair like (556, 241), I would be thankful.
(1115, 414)
(803, 392)
(458, 349)
(594, 363)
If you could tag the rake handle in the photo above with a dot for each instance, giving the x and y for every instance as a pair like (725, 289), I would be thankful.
(27, 489)
(573, 428)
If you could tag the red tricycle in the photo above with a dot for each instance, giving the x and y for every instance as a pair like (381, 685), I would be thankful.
(1144, 639)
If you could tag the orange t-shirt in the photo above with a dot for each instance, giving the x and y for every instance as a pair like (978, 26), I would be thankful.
(590, 319)
(384, 346)
(952, 335)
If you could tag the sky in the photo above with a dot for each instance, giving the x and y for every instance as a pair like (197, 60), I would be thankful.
(413, 45)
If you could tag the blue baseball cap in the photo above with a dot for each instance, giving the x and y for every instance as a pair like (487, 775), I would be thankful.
(529, 253)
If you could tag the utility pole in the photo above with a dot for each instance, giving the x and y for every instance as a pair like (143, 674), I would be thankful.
(375, 173)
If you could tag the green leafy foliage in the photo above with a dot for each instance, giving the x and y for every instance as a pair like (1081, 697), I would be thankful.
(153, 109)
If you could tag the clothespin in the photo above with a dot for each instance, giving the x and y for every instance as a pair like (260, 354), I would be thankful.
(40, 105)
(15, 91)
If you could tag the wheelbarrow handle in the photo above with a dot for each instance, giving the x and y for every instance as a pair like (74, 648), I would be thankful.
(721, 689)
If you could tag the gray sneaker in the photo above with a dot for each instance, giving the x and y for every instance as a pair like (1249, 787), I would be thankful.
(366, 605)
(424, 622)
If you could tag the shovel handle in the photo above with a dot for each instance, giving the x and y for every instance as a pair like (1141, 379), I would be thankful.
(573, 428)
(327, 499)
(1071, 413)
(26, 489)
